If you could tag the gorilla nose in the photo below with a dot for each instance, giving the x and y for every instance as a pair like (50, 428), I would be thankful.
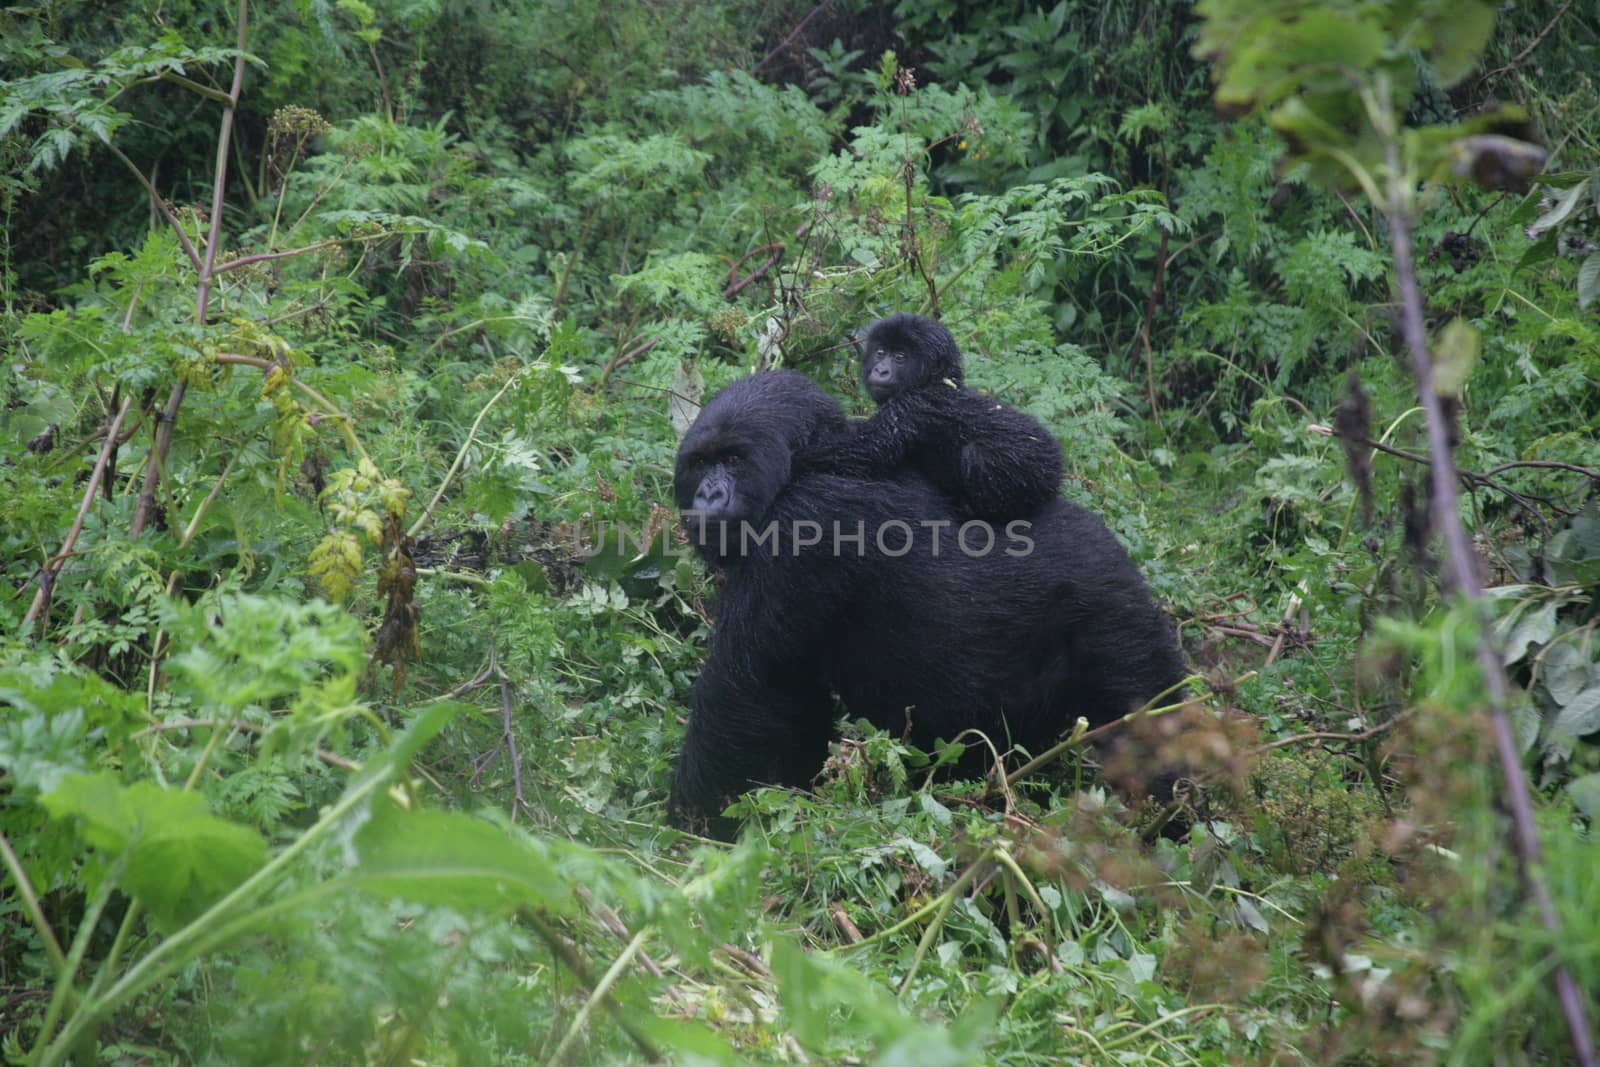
(711, 498)
(881, 373)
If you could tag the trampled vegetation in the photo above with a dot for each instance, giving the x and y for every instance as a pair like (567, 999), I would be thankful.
(345, 644)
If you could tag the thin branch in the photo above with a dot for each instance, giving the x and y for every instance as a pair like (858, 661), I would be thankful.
(262, 256)
(1152, 298)
(602, 989)
(1470, 479)
(735, 287)
(519, 802)
(461, 455)
(1516, 60)
(783, 44)
(1588, 472)
(625, 358)
(193, 86)
(52, 566)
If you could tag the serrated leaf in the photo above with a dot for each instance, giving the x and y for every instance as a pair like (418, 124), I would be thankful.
(1541, 251)
(177, 857)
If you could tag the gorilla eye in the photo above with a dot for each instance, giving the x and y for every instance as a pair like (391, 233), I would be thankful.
(899, 357)
(730, 461)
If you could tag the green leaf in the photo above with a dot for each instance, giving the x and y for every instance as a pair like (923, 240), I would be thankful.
(1525, 723)
(1541, 251)
(1251, 916)
(1460, 34)
(1581, 717)
(1565, 204)
(178, 857)
(416, 736)
(1565, 672)
(1455, 352)
(455, 860)
(1589, 280)
(1534, 628)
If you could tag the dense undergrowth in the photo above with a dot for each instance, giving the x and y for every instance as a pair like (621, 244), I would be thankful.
(326, 734)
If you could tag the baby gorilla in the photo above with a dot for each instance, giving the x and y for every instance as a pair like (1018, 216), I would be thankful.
(989, 460)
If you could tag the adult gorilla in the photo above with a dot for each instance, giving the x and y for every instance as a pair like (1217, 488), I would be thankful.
(870, 590)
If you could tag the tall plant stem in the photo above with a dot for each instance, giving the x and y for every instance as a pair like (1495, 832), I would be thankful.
(202, 301)
(1463, 577)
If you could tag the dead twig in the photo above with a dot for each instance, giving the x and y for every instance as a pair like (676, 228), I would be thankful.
(620, 361)
(1473, 480)
(736, 284)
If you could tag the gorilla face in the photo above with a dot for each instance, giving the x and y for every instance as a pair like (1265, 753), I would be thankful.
(723, 481)
(739, 454)
(905, 352)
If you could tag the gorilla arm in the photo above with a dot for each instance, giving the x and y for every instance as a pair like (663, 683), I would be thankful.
(747, 729)
(761, 711)
(989, 459)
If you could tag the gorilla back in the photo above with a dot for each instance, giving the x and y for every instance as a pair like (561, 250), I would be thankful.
(871, 591)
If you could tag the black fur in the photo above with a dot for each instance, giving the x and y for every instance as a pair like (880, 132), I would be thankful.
(934, 641)
(992, 461)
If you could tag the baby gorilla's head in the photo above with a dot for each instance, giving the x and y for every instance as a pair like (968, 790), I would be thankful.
(905, 352)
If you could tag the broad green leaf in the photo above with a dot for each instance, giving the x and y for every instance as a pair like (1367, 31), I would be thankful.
(1581, 717)
(1532, 628)
(1251, 916)
(1460, 34)
(456, 860)
(1565, 672)
(178, 858)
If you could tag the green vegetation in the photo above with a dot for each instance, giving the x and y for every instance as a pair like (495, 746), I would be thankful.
(336, 332)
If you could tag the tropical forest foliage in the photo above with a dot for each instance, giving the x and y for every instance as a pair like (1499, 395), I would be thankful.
(346, 639)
